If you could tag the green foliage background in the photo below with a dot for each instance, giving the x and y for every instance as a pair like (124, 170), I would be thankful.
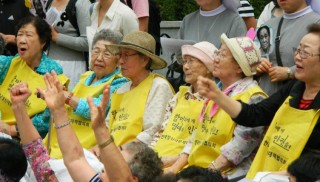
(176, 9)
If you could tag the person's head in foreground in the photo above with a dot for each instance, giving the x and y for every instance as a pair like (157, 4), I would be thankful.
(197, 61)
(143, 162)
(13, 162)
(305, 169)
(199, 174)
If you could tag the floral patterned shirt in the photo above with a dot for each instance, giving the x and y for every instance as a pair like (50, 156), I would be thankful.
(37, 155)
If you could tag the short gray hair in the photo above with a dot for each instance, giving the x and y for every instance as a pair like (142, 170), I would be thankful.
(145, 163)
(112, 36)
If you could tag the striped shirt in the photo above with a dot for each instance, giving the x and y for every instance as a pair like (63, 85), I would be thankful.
(246, 10)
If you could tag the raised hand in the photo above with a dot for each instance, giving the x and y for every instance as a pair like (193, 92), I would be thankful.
(264, 66)
(53, 95)
(98, 113)
(278, 73)
(207, 87)
(19, 93)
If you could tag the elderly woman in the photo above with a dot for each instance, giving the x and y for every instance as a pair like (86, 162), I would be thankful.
(219, 143)
(183, 110)
(138, 107)
(33, 38)
(105, 71)
(292, 112)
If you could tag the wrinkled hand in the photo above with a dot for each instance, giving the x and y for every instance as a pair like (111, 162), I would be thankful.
(98, 113)
(53, 95)
(264, 66)
(207, 87)
(20, 93)
(278, 73)
(54, 34)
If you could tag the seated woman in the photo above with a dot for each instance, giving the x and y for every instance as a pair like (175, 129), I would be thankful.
(105, 71)
(72, 151)
(292, 112)
(183, 110)
(218, 142)
(29, 65)
(138, 107)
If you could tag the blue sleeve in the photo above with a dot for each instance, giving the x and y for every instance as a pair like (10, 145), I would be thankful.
(41, 121)
(5, 62)
(83, 109)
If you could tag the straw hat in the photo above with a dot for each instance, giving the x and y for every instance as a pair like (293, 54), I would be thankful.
(204, 51)
(245, 52)
(143, 43)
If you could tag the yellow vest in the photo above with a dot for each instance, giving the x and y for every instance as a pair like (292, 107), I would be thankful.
(126, 112)
(81, 126)
(183, 120)
(215, 132)
(285, 139)
(18, 72)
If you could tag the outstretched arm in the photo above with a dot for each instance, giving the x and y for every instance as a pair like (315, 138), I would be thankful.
(115, 165)
(210, 90)
(70, 147)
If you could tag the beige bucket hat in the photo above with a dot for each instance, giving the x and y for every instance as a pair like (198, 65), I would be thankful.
(245, 52)
(142, 42)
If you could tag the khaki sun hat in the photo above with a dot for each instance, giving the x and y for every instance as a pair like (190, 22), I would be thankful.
(142, 42)
(245, 52)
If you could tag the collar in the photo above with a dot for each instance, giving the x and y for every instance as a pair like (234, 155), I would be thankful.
(298, 14)
(191, 95)
(213, 12)
(113, 9)
(296, 93)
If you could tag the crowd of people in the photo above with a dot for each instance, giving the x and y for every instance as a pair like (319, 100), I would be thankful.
(79, 100)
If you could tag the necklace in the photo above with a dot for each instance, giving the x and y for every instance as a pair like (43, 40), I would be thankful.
(206, 33)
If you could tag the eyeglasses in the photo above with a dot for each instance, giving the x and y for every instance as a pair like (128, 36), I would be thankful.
(105, 54)
(303, 54)
(125, 56)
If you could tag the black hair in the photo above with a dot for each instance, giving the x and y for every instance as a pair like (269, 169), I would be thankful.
(199, 174)
(41, 26)
(306, 168)
(261, 28)
(13, 162)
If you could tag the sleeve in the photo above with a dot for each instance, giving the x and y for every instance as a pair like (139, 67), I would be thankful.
(245, 139)
(171, 105)
(261, 114)
(140, 8)
(83, 20)
(159, 95)
(41, 122)
(181, 30)
(83, 109)
(246, 10)
(38, 157)
(129, 23)
(238, 28)
(5, 62)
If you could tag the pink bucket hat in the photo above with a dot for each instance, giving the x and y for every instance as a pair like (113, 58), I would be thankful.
(204, 51)
(245, 52)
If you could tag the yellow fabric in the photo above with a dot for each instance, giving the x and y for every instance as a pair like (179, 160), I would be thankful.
(215, 132)
(285, 139)
(126, 112)
(18, 72)
(183, 120)
(81, 126)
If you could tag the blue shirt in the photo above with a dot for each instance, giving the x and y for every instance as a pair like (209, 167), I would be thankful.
(83, 109)
(40, 120)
